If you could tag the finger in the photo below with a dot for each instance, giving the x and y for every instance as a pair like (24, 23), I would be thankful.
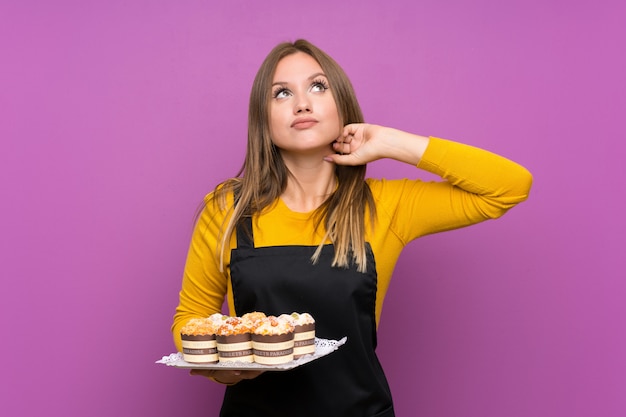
(341, 159)
(355, 129)
(341, 147)
(349, 130)
(199, 372)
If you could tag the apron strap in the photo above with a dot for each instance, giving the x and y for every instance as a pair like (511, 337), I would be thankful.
(245, 238)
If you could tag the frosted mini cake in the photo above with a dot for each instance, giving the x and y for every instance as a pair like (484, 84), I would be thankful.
(272, 341)
(198, 341)
(233, 341)
(251, 319)
(304, 334)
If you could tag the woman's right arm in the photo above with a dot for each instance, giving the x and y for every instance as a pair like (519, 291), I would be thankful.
(204, 285)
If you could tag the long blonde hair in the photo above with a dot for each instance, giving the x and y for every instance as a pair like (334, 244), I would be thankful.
(263, 176)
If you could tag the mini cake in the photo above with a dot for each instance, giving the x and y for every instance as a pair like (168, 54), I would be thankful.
(272, 341)
(304, 334)
(251, 319)
(234, 343)
(198, 340)
(217, 319)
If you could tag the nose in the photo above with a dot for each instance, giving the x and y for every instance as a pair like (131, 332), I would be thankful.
(302, 105)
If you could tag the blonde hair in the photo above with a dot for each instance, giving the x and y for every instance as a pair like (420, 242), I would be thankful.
(263, 176)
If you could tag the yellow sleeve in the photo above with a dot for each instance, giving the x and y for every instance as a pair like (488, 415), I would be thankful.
(478, 185)
(204, 285)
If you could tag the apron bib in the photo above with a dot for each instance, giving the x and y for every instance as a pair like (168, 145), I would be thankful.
(282, 279)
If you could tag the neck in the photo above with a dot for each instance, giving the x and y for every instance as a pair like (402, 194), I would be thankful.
(311, 183)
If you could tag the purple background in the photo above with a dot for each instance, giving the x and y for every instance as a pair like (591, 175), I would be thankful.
(117, 116)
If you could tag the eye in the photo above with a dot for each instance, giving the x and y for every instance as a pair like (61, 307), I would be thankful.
(281, 92)
(319, 86)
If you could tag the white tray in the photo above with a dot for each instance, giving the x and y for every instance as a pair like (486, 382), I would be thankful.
(323, 347)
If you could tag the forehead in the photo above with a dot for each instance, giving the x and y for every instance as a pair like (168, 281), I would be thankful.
(296, 67)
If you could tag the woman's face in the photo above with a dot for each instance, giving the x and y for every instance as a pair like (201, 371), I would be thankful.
(303, 113)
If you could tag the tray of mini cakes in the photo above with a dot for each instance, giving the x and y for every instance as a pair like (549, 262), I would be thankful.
(253, 341)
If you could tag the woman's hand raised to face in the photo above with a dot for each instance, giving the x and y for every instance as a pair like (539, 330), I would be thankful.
(360, 143)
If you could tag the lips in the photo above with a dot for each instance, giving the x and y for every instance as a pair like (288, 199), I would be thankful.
(303, 123)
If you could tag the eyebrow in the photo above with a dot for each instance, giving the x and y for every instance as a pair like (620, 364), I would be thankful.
(311, 78)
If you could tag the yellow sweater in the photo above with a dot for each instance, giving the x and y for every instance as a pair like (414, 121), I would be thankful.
(478, 185)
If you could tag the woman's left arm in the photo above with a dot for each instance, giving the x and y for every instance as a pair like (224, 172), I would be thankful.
(478, 184)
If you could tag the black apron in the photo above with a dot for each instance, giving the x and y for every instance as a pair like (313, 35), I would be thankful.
(282, 279)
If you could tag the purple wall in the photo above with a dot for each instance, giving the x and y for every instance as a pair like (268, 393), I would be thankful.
(116, 117)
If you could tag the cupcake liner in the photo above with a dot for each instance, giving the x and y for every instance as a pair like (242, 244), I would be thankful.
(304, 340)
(199, 348)
(237, 347)
(273, 349)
